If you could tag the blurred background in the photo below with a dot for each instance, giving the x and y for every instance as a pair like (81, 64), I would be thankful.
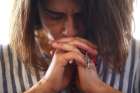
(5, 9)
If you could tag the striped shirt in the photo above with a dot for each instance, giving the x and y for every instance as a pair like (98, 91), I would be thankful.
(136, 87)
(15, 78)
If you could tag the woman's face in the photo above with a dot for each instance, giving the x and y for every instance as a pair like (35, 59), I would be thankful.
(62, 17)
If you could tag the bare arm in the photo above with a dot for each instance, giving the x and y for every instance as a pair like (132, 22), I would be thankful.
(108, 89)
(101, 87)
(41, 87)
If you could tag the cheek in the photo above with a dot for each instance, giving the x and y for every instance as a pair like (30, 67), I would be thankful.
(51, 23)
(57, 30)
(81, 29)
(55, 27)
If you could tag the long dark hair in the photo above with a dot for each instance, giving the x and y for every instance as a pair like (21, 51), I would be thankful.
(108, 25)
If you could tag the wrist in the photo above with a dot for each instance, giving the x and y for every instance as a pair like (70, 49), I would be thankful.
(103, 88)
(47, 86)
(98, 87)
(41, 87)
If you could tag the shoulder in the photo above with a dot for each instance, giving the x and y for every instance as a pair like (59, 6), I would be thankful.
(134, 52)
(137, 73)
(3, 48)
(5, 53)
(136, 44)
(136, 86)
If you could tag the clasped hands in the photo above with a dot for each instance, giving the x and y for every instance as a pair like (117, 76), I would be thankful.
(59, 73)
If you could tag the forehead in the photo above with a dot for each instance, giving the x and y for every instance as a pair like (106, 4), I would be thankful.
(61, 5)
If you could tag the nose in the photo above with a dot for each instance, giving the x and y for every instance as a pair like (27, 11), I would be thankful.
(70, 30)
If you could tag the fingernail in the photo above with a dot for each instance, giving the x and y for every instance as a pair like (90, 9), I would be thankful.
(71, 61)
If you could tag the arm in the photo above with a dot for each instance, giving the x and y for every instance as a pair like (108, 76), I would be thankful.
(88, 80)
(41, 87)
(109, 89)
(58, 74)
(104, 88)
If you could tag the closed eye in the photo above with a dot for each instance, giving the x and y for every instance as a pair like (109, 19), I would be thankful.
(54, 15)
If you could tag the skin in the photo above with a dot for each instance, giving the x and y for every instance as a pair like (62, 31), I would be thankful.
(67, 47)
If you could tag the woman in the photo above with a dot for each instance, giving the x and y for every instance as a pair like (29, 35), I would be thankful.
(66, 46)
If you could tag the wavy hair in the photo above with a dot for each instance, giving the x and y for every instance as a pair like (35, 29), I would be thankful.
(107, 23)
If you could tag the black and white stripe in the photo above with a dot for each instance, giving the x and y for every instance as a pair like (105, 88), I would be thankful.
(124, 81)
(15, 78)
